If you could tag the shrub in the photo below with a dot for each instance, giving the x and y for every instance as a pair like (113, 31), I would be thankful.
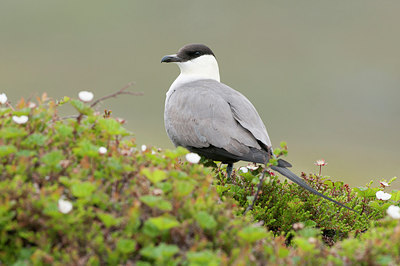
(282, 204)
(79, 191)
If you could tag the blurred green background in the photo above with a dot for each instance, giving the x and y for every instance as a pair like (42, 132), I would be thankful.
(324, 75)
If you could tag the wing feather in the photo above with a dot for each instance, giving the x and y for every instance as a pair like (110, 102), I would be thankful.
(198, 115)
(242, 110)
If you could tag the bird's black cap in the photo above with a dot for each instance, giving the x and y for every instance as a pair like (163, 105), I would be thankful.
(188, 52)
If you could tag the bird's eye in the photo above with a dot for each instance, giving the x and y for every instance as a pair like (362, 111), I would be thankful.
(197, 53)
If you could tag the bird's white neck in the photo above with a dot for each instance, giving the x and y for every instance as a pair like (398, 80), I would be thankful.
(203, 67)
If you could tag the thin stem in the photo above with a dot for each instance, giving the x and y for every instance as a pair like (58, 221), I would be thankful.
(9, 105)
(115, 94)
(250, 207)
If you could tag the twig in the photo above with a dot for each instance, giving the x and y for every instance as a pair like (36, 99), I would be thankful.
(68, 116)
(250, 207)
(9, 105)
(121, 91)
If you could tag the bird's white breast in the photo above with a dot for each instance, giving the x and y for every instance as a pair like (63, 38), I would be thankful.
(203, 67)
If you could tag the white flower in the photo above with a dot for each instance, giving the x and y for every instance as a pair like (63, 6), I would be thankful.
(102, 150)
(193, 157)
(3, 98)
(252, 167)
(244, 169)
(64, 206)
(384, 184)
(120, 120)
(298, 226)
(20, 119)
(382, 195)
(393, 211)
(312, 240)
(32, 105)
(320, 162)
(86, 96)
(143, 148)
(157, 192)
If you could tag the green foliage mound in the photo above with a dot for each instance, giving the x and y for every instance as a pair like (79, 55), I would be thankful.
(282, 204)
(78, 191)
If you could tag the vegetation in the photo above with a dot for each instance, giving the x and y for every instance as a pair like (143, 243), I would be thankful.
(78, 191)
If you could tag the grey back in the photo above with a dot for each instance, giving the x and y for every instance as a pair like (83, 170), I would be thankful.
(206, 113)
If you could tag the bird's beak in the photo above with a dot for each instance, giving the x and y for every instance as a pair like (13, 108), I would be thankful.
(170, 58)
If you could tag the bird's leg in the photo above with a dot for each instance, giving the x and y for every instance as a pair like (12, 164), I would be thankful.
(229, 169)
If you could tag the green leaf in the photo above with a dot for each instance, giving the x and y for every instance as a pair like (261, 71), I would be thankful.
(205, 220)
(164, 186)
(64, 130)
(158, 202)
(178, 152)
(112, 127)
(126, 246)
(107, 219)
(283, 144)
(7, 150)
(283, 252)
(277, 151)
(252, 234)
(12, 132)
(52, 158)
(35, 139)
(384, 260)
(221, 189)
(81, 107)
(86, 148)
(51, 209)
(24, 256)
(339, 184)
(155, 176)
(66, 181)
(363, 192)
(310, 223)
(309, 232)
(392, 179)
(83, 189)
(161, 252)
(247, 176)
(114, 164)
(24, 111)
(150, 230)
(395, 195)
(378, 205)
(183, 188)
(64, 100)
(143, 263)
(205, 257)
(163, 222)
(303, 244)
(25, 153)
(329, 183)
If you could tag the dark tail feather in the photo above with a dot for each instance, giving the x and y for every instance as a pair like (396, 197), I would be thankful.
(289, 174)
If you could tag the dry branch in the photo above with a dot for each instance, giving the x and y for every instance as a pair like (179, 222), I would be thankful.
(121, 91)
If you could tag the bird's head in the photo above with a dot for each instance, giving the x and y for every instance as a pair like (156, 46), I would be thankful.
(196, 61)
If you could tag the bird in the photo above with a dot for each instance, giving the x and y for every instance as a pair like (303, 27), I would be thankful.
(213, 120)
